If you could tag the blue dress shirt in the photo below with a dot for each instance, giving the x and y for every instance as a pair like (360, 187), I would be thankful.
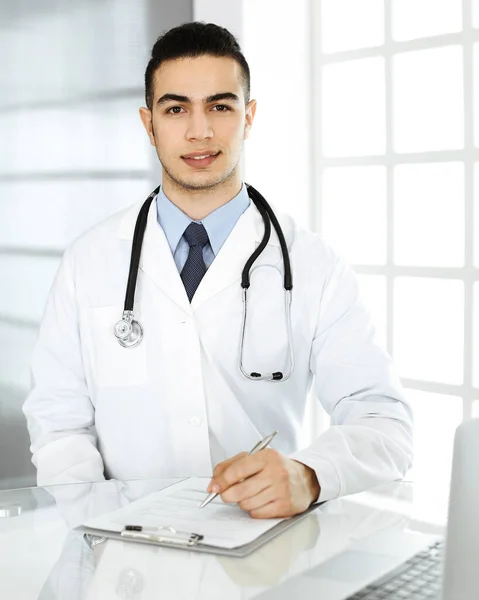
(218, 225)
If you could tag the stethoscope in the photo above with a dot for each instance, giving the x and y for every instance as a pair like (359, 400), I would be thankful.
(129, 331)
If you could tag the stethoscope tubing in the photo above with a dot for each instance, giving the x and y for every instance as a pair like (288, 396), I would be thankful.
(138, 235)
(129, 332)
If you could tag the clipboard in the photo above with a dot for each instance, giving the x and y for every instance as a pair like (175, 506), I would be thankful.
(171, 538)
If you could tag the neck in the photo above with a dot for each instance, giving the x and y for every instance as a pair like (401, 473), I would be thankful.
(198, 204)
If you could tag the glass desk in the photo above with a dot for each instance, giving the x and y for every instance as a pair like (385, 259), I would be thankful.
(42, 558)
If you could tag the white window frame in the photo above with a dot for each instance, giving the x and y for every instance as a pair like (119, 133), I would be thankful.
(468, 156)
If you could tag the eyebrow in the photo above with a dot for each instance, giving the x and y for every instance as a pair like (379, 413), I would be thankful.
(214, 98)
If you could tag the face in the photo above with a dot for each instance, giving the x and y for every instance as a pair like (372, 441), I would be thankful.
(199, 109)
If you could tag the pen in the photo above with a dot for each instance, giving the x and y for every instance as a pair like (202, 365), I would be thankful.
(259, 446)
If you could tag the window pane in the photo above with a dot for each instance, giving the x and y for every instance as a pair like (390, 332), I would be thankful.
(363, 27)
(95, 136)
(428, 100)
(354, 212)
(475, 13)
(65, 209)
(475, 372)
(436, 417)
(29, 281)
(80, 48)
(429, 214)
(353, 119)
(373, 291)
(421, 18)
(476, 93)
(428, 329)
(15, 364)
(475, 409)
(476, 214)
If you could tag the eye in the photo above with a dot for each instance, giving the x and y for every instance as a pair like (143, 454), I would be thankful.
(173, 108)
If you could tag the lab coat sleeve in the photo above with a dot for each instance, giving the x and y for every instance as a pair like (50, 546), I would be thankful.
(60, 415)
(370, 438)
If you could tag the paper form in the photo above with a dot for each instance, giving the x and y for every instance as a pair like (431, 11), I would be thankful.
(222, 525)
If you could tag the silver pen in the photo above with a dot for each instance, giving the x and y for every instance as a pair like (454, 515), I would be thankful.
(259, 446)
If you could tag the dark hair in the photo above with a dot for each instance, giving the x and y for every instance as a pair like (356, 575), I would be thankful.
(191, 40)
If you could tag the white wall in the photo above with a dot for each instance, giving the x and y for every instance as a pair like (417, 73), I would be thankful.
(275, 38)
(277, 45)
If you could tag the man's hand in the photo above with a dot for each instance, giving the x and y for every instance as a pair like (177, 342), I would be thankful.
(266, 484)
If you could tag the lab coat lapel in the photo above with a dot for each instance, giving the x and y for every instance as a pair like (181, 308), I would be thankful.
(156, 260)
(228, 265)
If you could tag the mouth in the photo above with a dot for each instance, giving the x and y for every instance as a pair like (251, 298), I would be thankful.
(201, 161)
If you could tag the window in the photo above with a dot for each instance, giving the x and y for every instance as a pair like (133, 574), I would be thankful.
(398, 192)
(72, 151)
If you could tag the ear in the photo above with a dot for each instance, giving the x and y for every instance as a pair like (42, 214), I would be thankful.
(146, 119)
(249, 117)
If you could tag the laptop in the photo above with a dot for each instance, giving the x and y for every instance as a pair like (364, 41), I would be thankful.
(407, 565)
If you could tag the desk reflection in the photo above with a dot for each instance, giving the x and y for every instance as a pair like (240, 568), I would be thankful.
(129, 571)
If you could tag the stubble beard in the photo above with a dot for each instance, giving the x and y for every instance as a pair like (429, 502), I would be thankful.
(191, 186)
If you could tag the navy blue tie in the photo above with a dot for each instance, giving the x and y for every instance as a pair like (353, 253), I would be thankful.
(195, 268)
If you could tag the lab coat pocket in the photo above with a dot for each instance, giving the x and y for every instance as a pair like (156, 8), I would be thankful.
(113, 365)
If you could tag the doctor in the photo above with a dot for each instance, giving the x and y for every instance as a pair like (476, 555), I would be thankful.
(177, 403)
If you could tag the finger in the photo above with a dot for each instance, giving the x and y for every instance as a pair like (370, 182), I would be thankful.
(220, 467)
(262, 498)
(272, 510)
(238, 470)
(247, 488)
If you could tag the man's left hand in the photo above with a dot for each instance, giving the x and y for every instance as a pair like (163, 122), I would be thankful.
(266, 484)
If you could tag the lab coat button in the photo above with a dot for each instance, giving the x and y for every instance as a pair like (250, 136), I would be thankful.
(196, 421)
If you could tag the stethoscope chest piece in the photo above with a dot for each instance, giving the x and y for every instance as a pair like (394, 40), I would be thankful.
(128, 332)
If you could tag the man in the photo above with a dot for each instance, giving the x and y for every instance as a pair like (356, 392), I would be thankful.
(177, 404)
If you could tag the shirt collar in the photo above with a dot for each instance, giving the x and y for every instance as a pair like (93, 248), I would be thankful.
(218, 224)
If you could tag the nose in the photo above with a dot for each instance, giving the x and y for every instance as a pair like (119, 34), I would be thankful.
(199, 126)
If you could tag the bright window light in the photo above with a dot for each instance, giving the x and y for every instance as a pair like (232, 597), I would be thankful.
(349, 24)
(353, 108)
(429, 214)
(422, 18)
(354, 212)
(429, 329)
(476, 214)
(428, 100)
(277, 152)
(476, 93)
(475, 368)
(475, 13)
(436, 417)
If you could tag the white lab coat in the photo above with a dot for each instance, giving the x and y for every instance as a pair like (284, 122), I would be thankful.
(177, 404)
